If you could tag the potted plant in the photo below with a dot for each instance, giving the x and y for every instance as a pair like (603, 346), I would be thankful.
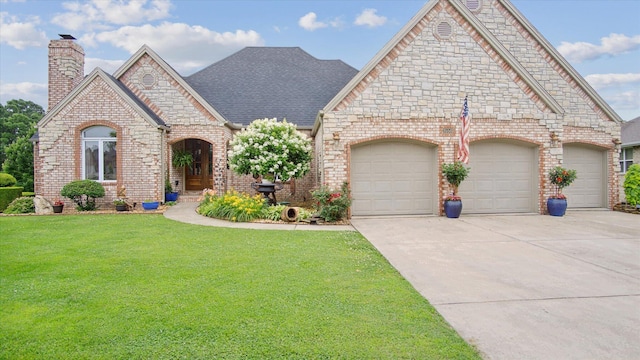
(121, 204)
(150, 204)
(58, 205)
(181, 158)
(169, 194)
(454, 173)
(560, 178)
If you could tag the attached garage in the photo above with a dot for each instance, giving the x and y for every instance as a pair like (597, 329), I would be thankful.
(589, 189)
(503, 178)
(393, 178)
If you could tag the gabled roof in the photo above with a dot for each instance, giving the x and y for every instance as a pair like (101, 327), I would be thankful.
(372, 67)
(582, 83)
(631, 133)
(268, 82)
(118, 87)
(146, 50)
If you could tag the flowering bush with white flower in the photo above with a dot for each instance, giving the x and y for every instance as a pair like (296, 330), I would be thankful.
(270, 147)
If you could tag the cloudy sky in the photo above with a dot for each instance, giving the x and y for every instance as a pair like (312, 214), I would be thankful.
(600, 38)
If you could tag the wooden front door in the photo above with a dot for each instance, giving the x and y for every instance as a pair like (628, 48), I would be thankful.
(200, 175)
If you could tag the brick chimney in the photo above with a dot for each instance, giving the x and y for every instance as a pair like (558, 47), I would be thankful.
(66, 68)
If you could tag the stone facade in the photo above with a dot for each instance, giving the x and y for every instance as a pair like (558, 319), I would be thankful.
(417, 89)
(66, 69)
(144, 148)
(139, 144)
(519, 89)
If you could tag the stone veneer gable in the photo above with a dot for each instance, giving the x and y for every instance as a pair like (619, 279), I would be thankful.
(419, 87)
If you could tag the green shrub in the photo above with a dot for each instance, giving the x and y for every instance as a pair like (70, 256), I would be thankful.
(21, 205)
(8, 194)
(332, 205)
(28, 193)
(455, 173)
(83, 193)
(632, 185)
(233, 206)
(7, 180)
(272, 212)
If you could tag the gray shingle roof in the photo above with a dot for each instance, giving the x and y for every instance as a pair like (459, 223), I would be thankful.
(631, 132)
(137, 101)
(268, 82)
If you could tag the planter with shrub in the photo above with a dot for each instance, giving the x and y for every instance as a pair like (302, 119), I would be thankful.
(84, 193)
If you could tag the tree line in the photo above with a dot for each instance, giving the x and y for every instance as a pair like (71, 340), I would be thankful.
(18, 119)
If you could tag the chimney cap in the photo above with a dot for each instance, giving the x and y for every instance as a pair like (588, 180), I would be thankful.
(67, 37)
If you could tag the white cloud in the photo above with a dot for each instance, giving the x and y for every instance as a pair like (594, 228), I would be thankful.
(368, 17)
(24, 90)
(310, 22)
(109, 66)
(626, 104)
(601, 81)
(102, 14)
(21, 35)
(614, 44)
(184, 46)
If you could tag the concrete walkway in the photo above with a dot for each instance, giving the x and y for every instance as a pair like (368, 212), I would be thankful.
(186, 212)
(528, 286)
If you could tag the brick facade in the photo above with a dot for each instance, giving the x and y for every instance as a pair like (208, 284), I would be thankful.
(66, 69)
(418, 87)
(519, 89)
(138, 144)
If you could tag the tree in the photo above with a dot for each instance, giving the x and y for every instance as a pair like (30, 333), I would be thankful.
(19, 162)
(268, 147)
(33, 110)
(17, 124)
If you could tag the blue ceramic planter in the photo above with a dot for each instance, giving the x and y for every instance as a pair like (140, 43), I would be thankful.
(453, 208)
(172, 196)
(150, 205)
(556, 207)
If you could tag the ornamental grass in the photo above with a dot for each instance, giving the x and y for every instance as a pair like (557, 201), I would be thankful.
(233, 206)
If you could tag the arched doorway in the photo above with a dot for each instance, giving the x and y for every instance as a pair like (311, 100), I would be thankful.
(200, 175)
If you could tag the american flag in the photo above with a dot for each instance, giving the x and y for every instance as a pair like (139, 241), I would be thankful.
(463, 148)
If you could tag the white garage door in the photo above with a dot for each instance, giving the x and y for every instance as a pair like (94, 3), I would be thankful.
(393, 178)
(503, 178)
(589, 189)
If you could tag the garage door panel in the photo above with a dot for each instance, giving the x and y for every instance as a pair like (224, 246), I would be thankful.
(398, 178)
(503, 178)
(589, 188)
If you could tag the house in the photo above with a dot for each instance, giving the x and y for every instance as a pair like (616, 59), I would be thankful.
(390, 129)
(386, 129)
(629, 149)
(121, 129)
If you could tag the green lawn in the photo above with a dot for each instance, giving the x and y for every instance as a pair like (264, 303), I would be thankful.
(144, 287)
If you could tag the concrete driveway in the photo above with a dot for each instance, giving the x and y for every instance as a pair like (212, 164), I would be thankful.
(525, 286)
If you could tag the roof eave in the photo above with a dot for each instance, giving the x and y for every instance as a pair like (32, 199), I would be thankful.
(508, 57)
(97, 72)
(561, 60)
(379, 56)
(145, 49)
(479, 27)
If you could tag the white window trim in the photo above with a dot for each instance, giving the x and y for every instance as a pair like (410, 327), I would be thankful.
(624, 160)
(101, 141)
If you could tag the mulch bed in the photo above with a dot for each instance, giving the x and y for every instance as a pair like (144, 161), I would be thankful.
(627, 208)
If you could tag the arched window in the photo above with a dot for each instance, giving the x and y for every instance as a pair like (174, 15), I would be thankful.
(99, 153)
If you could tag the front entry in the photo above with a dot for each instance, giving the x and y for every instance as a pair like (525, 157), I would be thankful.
(200, 175)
